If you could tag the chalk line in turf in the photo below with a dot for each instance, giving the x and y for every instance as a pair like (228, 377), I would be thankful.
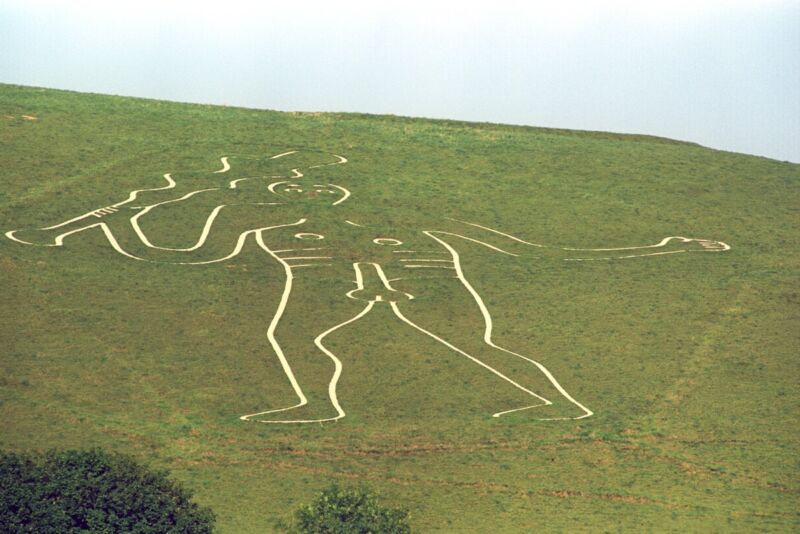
(340, 161)
(708, 244)
(343, 190)
(203, 235)
(225, 165)
(134, 194)
(360, 286)
(303, 400)
(402, 317)
(498, 232)
(284, 154)
(287, 290)
(387, 295)
(489, 325)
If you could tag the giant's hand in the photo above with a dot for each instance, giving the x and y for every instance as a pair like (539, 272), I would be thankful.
(695, 245)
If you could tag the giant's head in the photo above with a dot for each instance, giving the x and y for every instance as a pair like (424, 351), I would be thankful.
(294, 191)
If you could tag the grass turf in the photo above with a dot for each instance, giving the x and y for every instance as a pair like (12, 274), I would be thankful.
(690, 362)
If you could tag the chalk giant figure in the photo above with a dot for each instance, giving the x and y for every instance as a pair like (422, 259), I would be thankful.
(386, 270)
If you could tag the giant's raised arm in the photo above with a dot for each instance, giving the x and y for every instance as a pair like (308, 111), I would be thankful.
(54, 235)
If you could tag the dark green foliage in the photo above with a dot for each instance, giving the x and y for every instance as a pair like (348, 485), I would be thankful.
(93, 491)
(350, 511)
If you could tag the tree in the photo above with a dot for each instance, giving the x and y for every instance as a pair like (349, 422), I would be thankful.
(93, 491)
(350, 511)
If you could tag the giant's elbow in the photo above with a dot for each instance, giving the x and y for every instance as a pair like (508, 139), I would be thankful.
(32, 237)
(42, 237)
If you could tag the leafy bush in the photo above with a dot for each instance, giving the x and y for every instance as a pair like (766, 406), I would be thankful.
(95, 491)
(350, 511)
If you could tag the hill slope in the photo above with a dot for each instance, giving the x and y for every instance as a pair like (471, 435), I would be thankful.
(687, 359)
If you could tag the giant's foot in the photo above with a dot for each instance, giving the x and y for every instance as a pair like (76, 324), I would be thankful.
(547, 411)
(309, 413)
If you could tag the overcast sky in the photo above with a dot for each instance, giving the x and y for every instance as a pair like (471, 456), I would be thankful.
(723, 73)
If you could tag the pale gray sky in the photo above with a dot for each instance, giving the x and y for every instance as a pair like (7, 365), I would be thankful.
(723, 73)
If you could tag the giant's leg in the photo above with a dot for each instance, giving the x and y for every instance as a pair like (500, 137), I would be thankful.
(456, 316)
(309, 311)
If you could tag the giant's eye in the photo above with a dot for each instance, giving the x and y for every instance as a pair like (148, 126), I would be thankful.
(387, 241)
(293, 190)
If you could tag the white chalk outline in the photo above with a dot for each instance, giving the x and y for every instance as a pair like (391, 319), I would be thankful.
(131, 197)
(359, 281)
(203, 235)
(284, 154)
(387, 241)
(345, 191)
(408, 263)
(489, 326)
(287, 369)
(708, 244)
(225, 165)
(309, 235)
(342, 161)
(406, 320)
(232, 183)
(422, 259)
(498, 232)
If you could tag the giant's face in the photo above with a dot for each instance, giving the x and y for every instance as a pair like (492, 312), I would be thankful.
(296, 191)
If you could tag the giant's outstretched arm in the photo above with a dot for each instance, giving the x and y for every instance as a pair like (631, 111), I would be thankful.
(514, 246)
(668, 245)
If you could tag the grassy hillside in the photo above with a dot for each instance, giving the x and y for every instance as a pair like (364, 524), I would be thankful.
(689, 361)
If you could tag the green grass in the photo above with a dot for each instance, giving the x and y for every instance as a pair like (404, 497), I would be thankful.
(689, 361)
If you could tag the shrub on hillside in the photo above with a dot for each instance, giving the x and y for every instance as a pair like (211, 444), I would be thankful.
(350, 511)
(94, 491)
